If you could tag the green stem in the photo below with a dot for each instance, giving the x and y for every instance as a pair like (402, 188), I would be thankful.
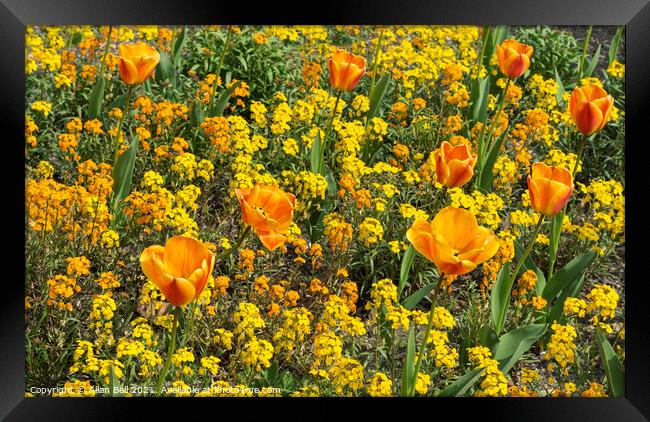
(555, 240)
(484, 145)
(127, 106)
(108, 44)
(418, 361)
(529, 247)
(374, 64)
(584, 53)
(221, 60)
(228, 252)
(170, 351)
(321, 161)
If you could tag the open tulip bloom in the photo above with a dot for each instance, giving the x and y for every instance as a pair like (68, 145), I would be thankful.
(180, 269)
(453, 241)
(268, 210)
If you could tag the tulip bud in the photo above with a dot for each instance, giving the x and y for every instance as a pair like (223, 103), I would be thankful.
(514, 58)
(590, 108)
(346, 69)
(454, 164)
(137, 62)
(549, 188)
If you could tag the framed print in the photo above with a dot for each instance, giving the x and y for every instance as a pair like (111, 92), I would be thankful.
(427, 203)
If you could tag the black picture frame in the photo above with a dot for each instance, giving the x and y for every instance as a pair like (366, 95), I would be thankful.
(634, 14)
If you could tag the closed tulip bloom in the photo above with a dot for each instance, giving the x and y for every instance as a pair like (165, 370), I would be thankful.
(180, 269)
(346, 69)
(453, 241)
(454, 164)
(137, 61)
(549, 188)
(590, 107)
(514, 58)
(268, 210)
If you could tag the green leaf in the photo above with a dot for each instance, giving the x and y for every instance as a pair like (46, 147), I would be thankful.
(571, 271)
(487, 336)
(593, 62)
(613, 48)
(413, 300)
(407, 261)
(178, 48)
(459, 387)
(331, 182)
(315, 153)
(560, 88)
(76, 38)
(123, 173)
(164, 69)
(556, 228)
(96, 99)
(487, 175)
(512, 345)
(479, 93)
(571, 290)
(613, 367)
(196, 113)
(114, 384)
(500, 297)
(530, 265)
(408, 372)
(377, 95)
(222, 101)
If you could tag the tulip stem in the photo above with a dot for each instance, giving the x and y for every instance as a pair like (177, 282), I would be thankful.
(420, 356)
(170, 350)
(108, 44)
(484, 145)
(321, 161)
(227, 252)
(584, 53)
(127, 106)
(375, 61)
(555, 240)
(529, 247)
(221, 60)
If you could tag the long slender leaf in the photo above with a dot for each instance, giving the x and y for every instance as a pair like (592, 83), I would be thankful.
(487, 336)
(123, 173)
(222, 100)
(593, 62)
(560, 88)
(530, 265)
(613, 367)
(315, 153)
(96, 99)
(571, 271)
(459, 387)
(613, 48)
(512, 345)
(177, 51)
(500, 297)
(487, 175)
(479, 93)
(164, 69)
(407, 261)
(413, 300)
(408, 376)
(571, 290)
(377, 96)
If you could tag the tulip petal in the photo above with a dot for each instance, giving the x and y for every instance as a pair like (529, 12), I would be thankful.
(183, 255)
(456, 225)
(148, 259)
(421, 237)
(180, 292)
(272, 240)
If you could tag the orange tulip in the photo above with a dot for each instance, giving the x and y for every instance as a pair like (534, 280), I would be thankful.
(346, 69)
(268, 210)
(453, 241)
(454, 164)
(514, 58)
(137, 61)
(180, 269)
(549, 188)
(590, 108)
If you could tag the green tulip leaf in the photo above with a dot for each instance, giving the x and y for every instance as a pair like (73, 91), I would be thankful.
(571, 271)
(500, 297)
(614, 370)
(459, 387)
(512, 345)
(407, 261)
(96, 99)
